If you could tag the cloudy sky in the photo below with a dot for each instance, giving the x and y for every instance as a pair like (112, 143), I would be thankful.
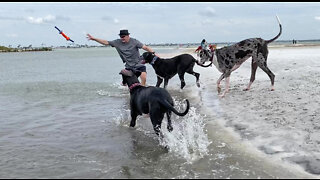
(33, 23)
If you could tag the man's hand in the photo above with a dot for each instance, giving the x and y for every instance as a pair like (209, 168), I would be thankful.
(90, 37)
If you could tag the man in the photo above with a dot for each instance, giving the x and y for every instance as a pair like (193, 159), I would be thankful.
(128, 49)
(204, 47)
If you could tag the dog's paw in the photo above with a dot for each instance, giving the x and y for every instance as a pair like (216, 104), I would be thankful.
(198, 83)
(222, 95)
(157, 129)
(132, 124)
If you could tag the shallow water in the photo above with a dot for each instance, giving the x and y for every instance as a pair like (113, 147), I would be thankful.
(64, 114)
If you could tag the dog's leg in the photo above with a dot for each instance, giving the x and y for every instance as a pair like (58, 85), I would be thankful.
(235, 67)
(159, 81)
(262, 63)
(270, 74)
(227, 76)
(181, 77)
(166, 80)
(218, 83)
(254, 66)
(169, 126)
(156, 118)
(133, 118)
(227, 87)
(197, 75)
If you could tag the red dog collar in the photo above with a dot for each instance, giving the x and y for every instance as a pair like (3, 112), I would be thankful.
(134, 85)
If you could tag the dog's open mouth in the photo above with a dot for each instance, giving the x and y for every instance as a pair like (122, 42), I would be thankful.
(143, 62)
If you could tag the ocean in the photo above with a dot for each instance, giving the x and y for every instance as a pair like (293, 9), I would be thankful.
(65, 114)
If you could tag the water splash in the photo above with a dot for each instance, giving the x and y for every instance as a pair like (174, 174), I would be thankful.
(122, 118)
(188, 138)
(115, 90)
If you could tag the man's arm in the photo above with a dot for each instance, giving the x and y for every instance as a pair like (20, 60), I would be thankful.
(147, 48)
(101, 41)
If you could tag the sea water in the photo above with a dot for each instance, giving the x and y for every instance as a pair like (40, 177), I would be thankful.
(64, 114)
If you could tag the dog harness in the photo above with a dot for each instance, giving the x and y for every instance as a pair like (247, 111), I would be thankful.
(152, 63)
(134, 85)
(154, 60)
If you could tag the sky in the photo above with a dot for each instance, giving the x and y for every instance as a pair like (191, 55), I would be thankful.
(32, 23)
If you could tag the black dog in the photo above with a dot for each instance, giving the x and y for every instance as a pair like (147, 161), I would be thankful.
(150, 100)
(167, 68)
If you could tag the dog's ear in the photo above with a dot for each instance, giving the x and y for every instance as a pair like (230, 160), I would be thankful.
(148, 56)
(126, 72)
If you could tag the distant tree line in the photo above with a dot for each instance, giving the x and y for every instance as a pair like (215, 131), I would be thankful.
(23, 49)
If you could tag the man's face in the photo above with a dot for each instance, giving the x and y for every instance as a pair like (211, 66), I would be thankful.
(124, 38)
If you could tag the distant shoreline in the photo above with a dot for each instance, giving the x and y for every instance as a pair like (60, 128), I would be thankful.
(28, 49)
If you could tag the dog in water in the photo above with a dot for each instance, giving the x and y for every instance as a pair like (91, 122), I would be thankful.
(229, 58)
(167, 68)
(150, 100)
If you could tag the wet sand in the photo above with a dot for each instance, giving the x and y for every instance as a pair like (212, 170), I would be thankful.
(283, 124)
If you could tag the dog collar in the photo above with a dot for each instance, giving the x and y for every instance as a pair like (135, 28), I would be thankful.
(154, 60)
(134, 85)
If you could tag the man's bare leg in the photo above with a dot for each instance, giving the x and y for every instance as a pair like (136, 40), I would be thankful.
(143, 78)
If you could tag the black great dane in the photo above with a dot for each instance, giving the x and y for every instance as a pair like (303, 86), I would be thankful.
(229, 58)
(167, 68)
(150, 100)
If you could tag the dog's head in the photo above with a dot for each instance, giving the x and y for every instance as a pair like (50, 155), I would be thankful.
(147, 57)
(205, 56)
(128, 77)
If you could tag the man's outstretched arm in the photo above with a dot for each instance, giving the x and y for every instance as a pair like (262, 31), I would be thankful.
(101, 41)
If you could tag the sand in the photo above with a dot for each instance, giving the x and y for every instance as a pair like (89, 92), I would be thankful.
(283, 124)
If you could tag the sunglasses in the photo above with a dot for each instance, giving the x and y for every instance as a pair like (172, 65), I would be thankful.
(122, 36)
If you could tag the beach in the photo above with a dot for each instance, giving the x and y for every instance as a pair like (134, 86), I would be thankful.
(283, 124)
(65, 114)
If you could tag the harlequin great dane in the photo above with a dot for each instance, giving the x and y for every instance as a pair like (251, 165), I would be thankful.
(229, 58)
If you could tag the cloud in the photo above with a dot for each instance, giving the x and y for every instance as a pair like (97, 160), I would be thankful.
(317, 18)
(41, 20)
(36, 20)
(208, 12)
(62, 18)
(110, 19)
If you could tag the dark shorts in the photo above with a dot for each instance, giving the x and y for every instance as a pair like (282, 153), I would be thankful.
(138, 71)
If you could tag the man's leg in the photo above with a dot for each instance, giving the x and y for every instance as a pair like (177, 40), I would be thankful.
(143, 78)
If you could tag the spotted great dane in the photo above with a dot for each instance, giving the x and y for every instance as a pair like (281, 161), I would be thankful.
(229, 58)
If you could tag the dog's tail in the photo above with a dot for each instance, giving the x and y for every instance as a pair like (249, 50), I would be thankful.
(269, 41)
(170, 107)
(203, 65)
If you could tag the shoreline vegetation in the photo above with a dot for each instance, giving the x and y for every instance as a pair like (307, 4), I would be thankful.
(24, 49)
